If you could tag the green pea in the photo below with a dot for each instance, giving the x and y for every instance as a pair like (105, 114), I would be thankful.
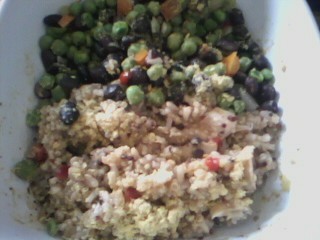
(81, 57)
(197, 40)
(111, 3)
(225, 100)
(47, 81)
(119, 29)
(218, 68)
(134, 94)
(58, 94)
(89, 6)
(89, 41)
(201, 31)
(256, 74)
(108, 28)
(140, 9)
(128, 63)
(212, 38)
(174, 41)
(189, 27)
(245, 63)
(154, 8)
(267, 74)
(177, 21)
(156, 71)
(87, 20)
(45, 42)
(55, 32)
(192, 16)
(71, 51)
(26, 170)
(210, 25)
(76, 8)
(135, 48)
(189, 47)
(99, 32)
(78, 38)
(155, 26)
(219, 33)
(59, 47)
(33, 118)
(67, 38)
(52, 227)
(177, 76)
(156, 97)
(239, 106)
(60, 76)
(166, 29)
(220, 15)
(100, 3)
(132, 15)
(178, 55)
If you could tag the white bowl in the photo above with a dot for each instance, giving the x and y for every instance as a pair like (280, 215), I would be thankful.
(285, 29)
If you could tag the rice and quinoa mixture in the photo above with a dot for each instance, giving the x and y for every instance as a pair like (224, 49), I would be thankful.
(157, 140)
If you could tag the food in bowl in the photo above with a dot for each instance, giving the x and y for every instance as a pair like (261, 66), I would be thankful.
(156, 120)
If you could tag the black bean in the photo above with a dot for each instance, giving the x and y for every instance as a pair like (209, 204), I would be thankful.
(227, 45)
(69, 113)
(260, 62)
(77, 24)
(158, 83)
(114, 92)
(236, 17)
(49, 61)
(76, 150)
(235, 91)
(99, 74)
(99, 50)
(113, 47)
(176, 94)
(254, 48)
(105, 41)
(208, 56)
(141, 25)
(177, 66)
(240, 32)
(139, 76)
(267, 93)
(83, 73)
(52, 20)
(240, 77)
(126, 41)
(252, 86)
(40, 92)
(69, 82)
(270, 106)
(198, 153)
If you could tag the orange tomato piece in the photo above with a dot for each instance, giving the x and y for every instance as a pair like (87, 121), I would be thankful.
(140, 57)
(65, 20)
(170, 9)
(124, 7)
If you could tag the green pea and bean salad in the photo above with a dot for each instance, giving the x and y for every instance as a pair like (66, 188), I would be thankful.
(158, 51)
